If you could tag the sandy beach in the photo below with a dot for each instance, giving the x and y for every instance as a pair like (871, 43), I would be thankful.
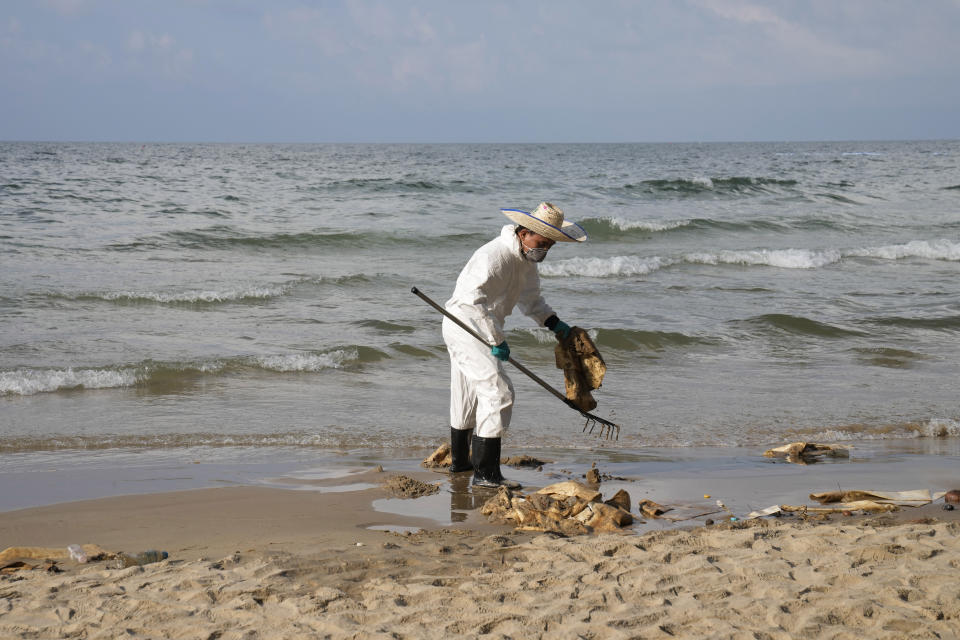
(248, 562)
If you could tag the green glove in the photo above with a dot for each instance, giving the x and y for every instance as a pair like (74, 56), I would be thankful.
(501, 351)
(561, 329)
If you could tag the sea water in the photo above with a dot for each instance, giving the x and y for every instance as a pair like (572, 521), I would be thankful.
(169, 305)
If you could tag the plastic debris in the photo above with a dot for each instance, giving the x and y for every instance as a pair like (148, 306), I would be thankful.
(77, 553)
(769, 511)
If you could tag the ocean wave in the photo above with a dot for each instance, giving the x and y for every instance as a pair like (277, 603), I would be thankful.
(930, 249)
(190, 297)
(779, 258)
(164, 377)
(703, 184)
(606, 224)
(382, 185)
(604, 267)
(609, 340)
(27, 382)
(933, 428)
(102, 442)
(799, 325)
(292, 362)
(951, 323)
(201, 297)
(782, 258)
(616, 228)
(228, 238)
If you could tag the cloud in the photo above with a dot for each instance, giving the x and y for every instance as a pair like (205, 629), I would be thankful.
(158, 53)
(383, 47)
(770, 46)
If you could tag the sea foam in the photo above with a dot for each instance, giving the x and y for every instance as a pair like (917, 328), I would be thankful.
(25, 382)
(604, 267)
(307, 361)
(783, 258)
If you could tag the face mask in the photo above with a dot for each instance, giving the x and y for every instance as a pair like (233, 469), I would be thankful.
(533, 254)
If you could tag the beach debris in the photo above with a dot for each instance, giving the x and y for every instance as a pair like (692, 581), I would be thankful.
(652, 509)
(952, 496)
(524, 461)
(406, 487)
(564, 508)
(593, 475)
(439, 459)
(807, 452)
(77, 553)
(600, 516)
(13, 567)
(620, 499)
(583, 367)
(772, 510)
(860, 505)
(125, 560)
(948, 507)
(914, 498)
(92, 551)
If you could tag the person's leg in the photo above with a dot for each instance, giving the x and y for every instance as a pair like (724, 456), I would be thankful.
(463, 419)
(463, 405)
(493, 404)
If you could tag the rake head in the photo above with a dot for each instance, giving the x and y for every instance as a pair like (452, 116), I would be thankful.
(606, 429)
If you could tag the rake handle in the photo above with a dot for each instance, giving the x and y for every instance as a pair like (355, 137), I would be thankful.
(476, 335)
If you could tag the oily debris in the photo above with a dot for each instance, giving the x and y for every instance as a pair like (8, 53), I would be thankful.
(807, 452)
(583, 367)
(565, 508)
(524, 461)
(439, 459)
(406, 487)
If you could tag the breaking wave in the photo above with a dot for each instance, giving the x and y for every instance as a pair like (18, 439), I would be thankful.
(27, 382)
(605, 228)
(200, 297)
(161, 377)
(604, 267)
(780, 258)
(933, 428)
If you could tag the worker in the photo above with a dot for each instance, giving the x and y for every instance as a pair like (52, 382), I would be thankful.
(500, 275)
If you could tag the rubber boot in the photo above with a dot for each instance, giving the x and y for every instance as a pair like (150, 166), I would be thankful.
(460, 450)
(486, 464)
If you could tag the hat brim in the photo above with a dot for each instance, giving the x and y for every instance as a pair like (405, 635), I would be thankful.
(568, 232)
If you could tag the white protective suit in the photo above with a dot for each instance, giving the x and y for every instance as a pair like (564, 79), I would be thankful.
(495, 279)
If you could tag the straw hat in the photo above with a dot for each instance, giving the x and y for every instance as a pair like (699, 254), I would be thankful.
(547, 220)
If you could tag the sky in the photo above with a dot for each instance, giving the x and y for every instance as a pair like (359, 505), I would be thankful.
(479, 71)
